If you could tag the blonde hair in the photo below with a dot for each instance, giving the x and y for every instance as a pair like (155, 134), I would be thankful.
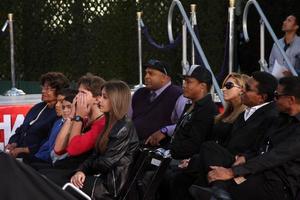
(119, 95)
(230, 114)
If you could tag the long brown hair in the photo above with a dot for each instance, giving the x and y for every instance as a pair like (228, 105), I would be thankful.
(230, 114)
(119, 95)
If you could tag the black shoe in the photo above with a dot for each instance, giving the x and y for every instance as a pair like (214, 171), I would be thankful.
(213, 193)
(200, 193)
(220, 193)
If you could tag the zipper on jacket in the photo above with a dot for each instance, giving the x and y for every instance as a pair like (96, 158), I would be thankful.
(94, 185)
(114, 180)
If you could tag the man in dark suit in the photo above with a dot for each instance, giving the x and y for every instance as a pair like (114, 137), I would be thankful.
(273, 171)
(248, 129)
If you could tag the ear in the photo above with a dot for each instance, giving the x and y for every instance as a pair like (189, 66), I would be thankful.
(204, 86)
(97, 99)
(165, 77)
(293, 100)
(264, 97)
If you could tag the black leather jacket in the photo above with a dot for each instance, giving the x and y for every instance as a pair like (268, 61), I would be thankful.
(113, 165)
(193, 128)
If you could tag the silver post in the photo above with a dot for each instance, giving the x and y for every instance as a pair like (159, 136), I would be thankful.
(262, 62)
(184, 49)
(13, 91)
(12, 52)
(231, 34)
(194, 23)
(139, 24)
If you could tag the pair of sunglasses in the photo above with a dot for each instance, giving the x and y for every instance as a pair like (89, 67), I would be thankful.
(230, 85)
(277, 95)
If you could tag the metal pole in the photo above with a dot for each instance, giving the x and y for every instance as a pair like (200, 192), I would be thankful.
(196, 42)
(231, 34)
(139, 24)
(194, 23)
(262, 62)
(13, 91)
(12, 52)
(184, 49)
(269, 28)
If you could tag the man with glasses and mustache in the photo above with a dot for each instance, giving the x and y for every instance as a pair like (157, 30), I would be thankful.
(272, 170)
(156, 107)
(247, 131)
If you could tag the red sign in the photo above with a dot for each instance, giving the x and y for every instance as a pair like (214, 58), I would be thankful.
(11, 117)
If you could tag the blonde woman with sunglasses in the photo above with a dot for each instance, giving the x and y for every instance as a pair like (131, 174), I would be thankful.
(232, 88)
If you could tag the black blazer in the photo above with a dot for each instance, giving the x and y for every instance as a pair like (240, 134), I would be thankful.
(245, 135)
(282, 161)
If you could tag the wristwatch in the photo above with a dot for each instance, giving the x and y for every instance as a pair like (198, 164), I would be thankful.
(77, 118)
(164, 131)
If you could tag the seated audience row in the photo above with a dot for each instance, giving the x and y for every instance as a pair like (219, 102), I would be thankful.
(91, 142)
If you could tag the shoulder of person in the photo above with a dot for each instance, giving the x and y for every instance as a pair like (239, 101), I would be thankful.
(40, 105)
(176, 88)
(140, 91)
(271, 109)
(297, 39)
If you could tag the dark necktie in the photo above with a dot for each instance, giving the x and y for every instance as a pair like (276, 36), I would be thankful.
(152, 96)
(286, 46)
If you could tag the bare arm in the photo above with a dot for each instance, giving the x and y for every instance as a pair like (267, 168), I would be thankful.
(82, 110)
(74, 130)
(62, 139)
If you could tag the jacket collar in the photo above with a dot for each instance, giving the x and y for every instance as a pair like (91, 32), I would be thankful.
(204, 100)
(297, 117)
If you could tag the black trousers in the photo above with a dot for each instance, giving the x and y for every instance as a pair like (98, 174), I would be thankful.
(211, 154)
(259, 187)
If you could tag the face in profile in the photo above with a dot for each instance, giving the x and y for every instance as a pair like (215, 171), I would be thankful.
(231, 90)
(66, 109)
(251, 96)
(154, 79)
(191, 88)
(48, 93)
(89, 96)
(58, 105)
(289, 24)
(282, 101)
(104, 102)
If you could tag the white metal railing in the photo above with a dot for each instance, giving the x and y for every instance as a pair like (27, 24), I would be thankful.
(195, 40)
(77, 190)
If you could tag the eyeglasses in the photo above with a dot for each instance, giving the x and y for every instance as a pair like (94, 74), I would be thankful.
(47, 88)
(277, 95)
(230, 85)
(158, 64)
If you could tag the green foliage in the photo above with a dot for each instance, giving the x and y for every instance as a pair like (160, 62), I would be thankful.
(100, 36)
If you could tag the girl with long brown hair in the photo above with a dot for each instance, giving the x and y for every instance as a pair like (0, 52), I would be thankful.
(114, 148)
